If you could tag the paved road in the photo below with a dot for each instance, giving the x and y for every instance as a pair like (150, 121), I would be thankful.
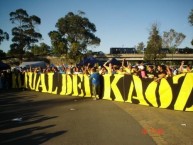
(166, 127)
(64, 120)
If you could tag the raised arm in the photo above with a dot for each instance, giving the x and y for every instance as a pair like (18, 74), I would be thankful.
(181, 67)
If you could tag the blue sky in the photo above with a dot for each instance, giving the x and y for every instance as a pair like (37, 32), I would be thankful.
(119, 23)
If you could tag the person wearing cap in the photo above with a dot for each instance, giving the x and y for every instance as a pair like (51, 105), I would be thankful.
(142, 71)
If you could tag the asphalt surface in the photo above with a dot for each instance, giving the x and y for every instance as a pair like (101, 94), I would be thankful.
(34, 118)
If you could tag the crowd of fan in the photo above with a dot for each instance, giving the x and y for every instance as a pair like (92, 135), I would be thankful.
(155, 72)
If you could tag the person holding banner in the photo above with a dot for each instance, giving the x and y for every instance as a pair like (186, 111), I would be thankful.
(161, 72)
(95, 83)
(151, 72)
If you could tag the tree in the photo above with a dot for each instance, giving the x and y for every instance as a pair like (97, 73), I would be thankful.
(74, 34)
(42, 50)
(154, 45)
(192, 42)
(59, 43)
(2, 54)
(172, 39)
(190, 17)
(140, 47)
(3, 36)
(24, 34)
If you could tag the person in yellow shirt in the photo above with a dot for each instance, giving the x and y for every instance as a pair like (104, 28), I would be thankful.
(109, 68)
(128, 68)
(121, 71)
(186, 69)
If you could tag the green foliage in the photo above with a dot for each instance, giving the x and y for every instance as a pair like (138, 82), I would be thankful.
(3, 36)
(41, 50)
(28, 55)
(153, 53)
(190, 18)
(140, 47)
(24, 34)
(2, 54)
(74, 34)
(59, 44)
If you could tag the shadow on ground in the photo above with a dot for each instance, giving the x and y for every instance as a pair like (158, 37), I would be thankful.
(19, 119)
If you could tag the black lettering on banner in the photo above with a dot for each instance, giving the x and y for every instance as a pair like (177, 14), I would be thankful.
(174, 93)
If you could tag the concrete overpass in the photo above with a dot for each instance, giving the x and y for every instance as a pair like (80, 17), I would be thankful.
(138, 57)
